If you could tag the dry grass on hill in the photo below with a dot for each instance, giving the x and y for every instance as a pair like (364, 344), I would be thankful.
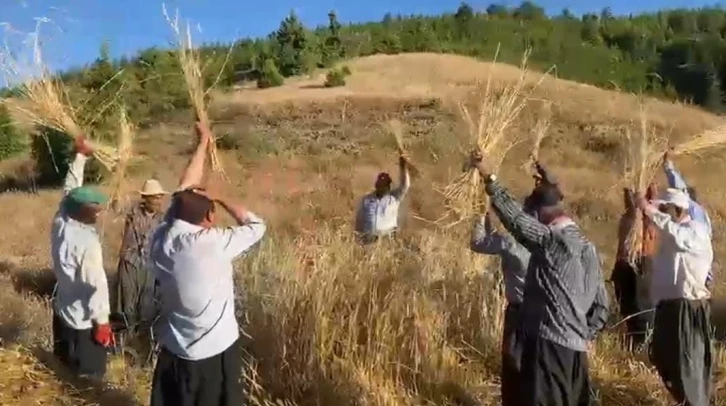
(411, 323)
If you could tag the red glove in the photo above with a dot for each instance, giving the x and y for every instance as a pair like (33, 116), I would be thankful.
(103, 335)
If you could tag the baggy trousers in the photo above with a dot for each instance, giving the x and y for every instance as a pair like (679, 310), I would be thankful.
(552, 375)
(681, 349)
(511, 356)
(625, 280)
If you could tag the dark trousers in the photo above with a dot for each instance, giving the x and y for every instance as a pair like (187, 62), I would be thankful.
(552, 375)
(77, 349)
(681, 350)
(511, 356)
(215, 381)
(625, 279)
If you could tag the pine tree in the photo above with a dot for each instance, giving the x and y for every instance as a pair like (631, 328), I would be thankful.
(332, 46)
(293, 47)
(11, 141)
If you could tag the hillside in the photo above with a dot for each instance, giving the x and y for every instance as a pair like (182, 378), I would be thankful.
(331, 329)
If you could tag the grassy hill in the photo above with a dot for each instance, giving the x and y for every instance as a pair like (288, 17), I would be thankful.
(411, 323)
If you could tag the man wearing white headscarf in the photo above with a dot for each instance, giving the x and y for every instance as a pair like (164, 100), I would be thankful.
(681, 347)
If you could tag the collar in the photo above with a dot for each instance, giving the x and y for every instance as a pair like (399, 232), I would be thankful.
(561, 222)
(186, 227)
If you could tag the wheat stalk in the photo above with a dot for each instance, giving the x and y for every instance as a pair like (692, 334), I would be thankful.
(44, 102)
(487, 126)
(191, 66)
(396, 128)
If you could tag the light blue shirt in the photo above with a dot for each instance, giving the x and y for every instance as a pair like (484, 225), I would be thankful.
(695, 210)
(379, 215)
(193, 268)
(81, 296)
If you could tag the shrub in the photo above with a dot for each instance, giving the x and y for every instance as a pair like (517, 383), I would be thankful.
(11, 141)
(52, 152)
(336, 77)
(271, 76)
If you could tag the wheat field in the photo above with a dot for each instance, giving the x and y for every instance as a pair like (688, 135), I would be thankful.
(412, 322)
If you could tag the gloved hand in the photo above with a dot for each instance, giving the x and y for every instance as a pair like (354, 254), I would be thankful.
(103, 335)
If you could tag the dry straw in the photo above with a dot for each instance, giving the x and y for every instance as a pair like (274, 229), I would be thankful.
(191, 66)
(125, 151)
(44, 102)
(707, 140)
(539, 132)
(396, 128)
(645, 149)
(495, 113)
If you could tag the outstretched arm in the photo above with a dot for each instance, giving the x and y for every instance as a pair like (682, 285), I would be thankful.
(523, 227)
(76, 170)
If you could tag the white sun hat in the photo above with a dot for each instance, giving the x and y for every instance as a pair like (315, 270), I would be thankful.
(675, 197)
(152, 187)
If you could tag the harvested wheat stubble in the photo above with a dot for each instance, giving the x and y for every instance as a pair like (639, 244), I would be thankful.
(701, 142)
(44, 102)
(25, 381)
(191, 66)
(496, 112)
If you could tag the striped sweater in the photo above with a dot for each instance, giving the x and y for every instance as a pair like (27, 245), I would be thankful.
(565, 300)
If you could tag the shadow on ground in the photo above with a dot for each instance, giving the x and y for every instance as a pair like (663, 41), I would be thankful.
(91, 393)
(38, 282)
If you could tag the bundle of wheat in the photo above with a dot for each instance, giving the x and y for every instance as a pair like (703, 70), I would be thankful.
(191, 66)
(396, 128)
(644, 153)
(43, 102)
(497, 111)
(539, 132)
(707, 140)
(125, 151)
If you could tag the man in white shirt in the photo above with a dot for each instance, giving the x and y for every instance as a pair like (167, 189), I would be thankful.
(681, 347)
(377, 214)
(81, 331)
(200, 361)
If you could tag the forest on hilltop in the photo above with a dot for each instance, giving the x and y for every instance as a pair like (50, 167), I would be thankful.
(675, 54)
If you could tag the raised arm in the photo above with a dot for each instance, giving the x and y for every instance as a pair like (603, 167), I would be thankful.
(527, 230)
(404, 182)
(675, 180)
(76, 169)
(194, 171)
(485, 239)
(94, 277)
(685, 238)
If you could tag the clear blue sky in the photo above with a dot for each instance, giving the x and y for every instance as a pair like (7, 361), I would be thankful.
(78, 26)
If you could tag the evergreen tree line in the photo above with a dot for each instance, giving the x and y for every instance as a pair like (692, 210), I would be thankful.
(676, 54)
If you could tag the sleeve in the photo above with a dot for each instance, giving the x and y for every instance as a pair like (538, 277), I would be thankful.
(599, 312)
(404, 184)
(235, 241)
(547, 176)
(685, 238)
(524, 228)
(484, 239)
(94, 277)
(74, 177)
(675, 180)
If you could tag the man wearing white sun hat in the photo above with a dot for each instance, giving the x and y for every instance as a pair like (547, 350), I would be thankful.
(136, 298)
(681, 346)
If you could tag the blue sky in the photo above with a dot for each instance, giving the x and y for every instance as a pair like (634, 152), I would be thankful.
(78, 27)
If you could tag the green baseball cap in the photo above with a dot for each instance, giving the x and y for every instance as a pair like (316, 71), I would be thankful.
(85, 195)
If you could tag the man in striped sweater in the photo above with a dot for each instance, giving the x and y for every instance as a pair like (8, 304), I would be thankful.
(565, 303)
(514, 262)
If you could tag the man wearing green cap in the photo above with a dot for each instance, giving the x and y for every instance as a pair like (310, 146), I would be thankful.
(81, 331)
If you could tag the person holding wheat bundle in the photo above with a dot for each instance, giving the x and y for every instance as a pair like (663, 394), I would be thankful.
(200, 361)
(681, 347)
(632, 271)
(695, 210)
(377, 214)
(514, 262)
(81, 308)
(565, 304)
(136, 291)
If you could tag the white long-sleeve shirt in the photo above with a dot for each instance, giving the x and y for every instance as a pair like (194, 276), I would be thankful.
(193, 268)
(81, 296)
(379, 215)
(683, 259)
